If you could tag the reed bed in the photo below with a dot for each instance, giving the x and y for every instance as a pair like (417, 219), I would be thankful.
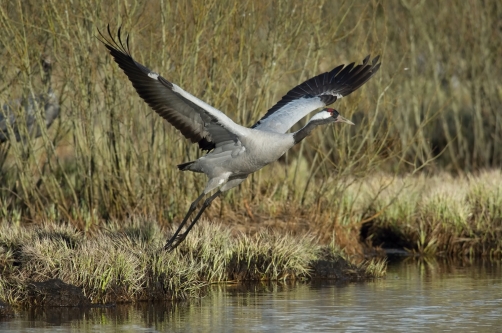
(431, 112)
(110, 156)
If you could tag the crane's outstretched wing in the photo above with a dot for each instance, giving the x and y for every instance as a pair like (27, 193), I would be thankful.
(319, 91)
(195, 119)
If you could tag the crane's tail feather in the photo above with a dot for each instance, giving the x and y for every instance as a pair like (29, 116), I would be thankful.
(184, 166)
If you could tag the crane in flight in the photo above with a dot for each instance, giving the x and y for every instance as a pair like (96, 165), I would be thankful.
(235, 151)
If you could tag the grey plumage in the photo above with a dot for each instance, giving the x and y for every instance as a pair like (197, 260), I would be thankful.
(236, 151)
(23, 109)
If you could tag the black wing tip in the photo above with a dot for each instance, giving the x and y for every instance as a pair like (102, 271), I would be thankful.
(113, 44)
(375, 60)
(376, 67)
(364, 69)
(348, 77)
(354, 76)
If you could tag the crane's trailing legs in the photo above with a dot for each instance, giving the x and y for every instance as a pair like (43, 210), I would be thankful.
(176, 239)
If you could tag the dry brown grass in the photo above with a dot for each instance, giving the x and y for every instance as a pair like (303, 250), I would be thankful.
(441, 215)
(122, 261)
(109, 156)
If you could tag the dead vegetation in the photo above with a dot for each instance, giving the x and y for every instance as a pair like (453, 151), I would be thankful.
(123, 262)
(432, 112)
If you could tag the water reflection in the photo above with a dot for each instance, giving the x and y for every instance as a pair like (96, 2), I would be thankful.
(416, 296)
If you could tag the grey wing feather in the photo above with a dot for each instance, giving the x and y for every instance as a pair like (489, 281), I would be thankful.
(165, 97)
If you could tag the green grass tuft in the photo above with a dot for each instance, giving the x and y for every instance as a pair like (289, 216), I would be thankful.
(124, 262)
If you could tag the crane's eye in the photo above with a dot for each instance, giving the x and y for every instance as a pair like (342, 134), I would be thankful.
(332, 112)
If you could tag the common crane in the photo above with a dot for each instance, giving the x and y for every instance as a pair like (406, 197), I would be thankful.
(15, 111)
(234, 151)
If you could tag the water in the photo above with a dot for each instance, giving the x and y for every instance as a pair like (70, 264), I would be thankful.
(415, 297)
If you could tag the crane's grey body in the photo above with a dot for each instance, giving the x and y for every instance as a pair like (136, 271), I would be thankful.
(24, 109)
(243, 157)
(236, 151)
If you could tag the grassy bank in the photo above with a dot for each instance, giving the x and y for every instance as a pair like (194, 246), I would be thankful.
(439, 215)
(430, 215)
(431, 112)
(122, 262)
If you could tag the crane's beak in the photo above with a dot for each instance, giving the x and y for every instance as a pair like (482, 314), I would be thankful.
(341, 119)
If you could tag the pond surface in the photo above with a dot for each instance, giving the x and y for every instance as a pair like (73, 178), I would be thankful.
(416, 296)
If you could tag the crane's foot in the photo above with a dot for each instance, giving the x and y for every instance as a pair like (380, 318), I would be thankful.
(174, 241)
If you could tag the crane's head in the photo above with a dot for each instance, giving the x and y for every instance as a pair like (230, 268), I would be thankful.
(333, 116)
(326, 116)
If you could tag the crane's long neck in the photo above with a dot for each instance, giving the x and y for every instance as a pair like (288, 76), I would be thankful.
(49, 98)
(47, 73)
(305, 131)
